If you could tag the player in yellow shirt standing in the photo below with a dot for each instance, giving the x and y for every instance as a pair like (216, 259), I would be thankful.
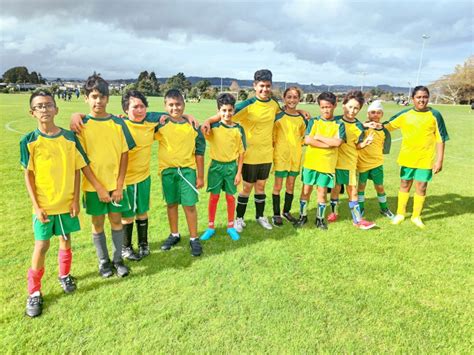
(422, 152)
(180, 154)
(370, 161)
(227, 141)
(288, 135)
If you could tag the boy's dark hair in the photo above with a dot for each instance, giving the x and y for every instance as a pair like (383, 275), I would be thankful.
(419, 88)
(135, 94)
(225, 99)
(356, 95)
(327, 96)
(263, 75)
(95, 82)
(44, 93)
(174, 94)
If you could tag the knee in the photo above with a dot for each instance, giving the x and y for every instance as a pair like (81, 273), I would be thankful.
(379, 189)
(42, 247)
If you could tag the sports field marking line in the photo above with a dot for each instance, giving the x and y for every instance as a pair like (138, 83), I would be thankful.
(7, 127)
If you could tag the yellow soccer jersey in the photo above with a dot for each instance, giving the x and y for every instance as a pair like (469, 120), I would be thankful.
(227, 142)
(420, 133)
(347, 154)
(372, 155)
(54, 161)
(179, 143)
(143, 133)
(323, 160)
(104, 141)
(257, 118)
(288, 135)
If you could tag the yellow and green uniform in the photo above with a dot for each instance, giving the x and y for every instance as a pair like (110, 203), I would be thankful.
(227, 143)
(421, 131)
(105, 140)
(371, 156)
(179, 143)
(54, 161)
(288, 135)
(257, 118)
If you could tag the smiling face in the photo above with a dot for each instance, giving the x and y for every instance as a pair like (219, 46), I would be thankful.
(136, 109)
(43, 109)
(226, 112)
(420, 100)
(97, 103)
(175, 107)
(291, 99)
(263, 89)
(351, 109)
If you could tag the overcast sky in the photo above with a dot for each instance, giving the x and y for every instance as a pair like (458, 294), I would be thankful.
(320, 42)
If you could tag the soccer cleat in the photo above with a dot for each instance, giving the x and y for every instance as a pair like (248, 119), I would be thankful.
(321, 224)
(364, 225)
(129, 254)
(170, 242)
(67, 283)
(289, 217)
(332, 217)
(399, 218)
(121, 268)
(143, 250)
(387, 213)
(34, 306)
(301, 222)
(277, 221)
(208, 234)
(196, 248)
(263, 221)
(105, 269)
(418, 222)
(232, 232)
(239, 224)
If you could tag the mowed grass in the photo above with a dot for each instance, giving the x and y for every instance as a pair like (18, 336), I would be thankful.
(391, 289)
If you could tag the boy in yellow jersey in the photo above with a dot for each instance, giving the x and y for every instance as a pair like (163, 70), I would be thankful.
(422, 152)
(370, 161)
(288, 134)
(52, 159)
(323, 136)
(227, 140)
(346, 166)
(180, 154)
(106, 140)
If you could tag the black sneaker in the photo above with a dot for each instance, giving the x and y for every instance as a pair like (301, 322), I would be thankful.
(196, 248)
(34, 306)
(129, 254)
(301, 221)
(121, 268)
(143, 250)
(67, 283)
(387, 213)
(277, 221)
(170, 242)
(105, 269)
(289, 217)
(321, 224)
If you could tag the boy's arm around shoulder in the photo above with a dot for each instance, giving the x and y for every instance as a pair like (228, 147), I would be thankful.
(200, 149)
(76, 125)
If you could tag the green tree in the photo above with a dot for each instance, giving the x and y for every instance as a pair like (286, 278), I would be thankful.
(16, 75)
(143, 75)
(180, 82)
(194, 93)
(203, 85)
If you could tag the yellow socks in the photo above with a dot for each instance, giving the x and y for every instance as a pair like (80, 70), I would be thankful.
(402, 202)
(418, 202)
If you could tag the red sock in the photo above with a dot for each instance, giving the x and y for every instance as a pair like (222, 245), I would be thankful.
(230, 210)
(64, 260)
(34, 280)
(213, 199)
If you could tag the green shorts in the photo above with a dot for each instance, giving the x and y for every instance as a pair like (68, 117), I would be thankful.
(313, 177)
(59, 224)
(375, 174)
(139, 197)
(221, 176)
(285, 173)
(423, 175)
(346, 177)
(95, 207)
(177, 184)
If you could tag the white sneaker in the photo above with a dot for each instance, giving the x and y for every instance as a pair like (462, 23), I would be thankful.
(263, 221)
(239, 224)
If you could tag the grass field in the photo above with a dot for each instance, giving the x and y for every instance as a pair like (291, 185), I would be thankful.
(393, 289)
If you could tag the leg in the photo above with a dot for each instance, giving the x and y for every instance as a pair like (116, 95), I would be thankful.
(98, 237)
(172, 211)
(243, 199)
(115, 220)
(64, 256)
(260, 204)
(142, 231)
(290, 187)
(191, 218)
(403, 196)
(334, 203)
(418, 202)
(212, 208)
(276, 195)
(361, 196)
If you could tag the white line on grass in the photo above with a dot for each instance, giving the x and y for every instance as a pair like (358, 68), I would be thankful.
(7, 127)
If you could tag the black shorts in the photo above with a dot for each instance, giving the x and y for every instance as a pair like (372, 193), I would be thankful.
(253, 172)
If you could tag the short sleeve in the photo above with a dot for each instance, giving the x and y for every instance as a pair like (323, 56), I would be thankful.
(309, 127)
(441, 132)
(387, 143)
(341, 132)
(242, 141)
(396, 121)
(200, 143)
(81, 156)
(25, 155)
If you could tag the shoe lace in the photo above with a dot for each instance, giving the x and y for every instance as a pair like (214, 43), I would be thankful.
(68, 281)
(33, 301)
